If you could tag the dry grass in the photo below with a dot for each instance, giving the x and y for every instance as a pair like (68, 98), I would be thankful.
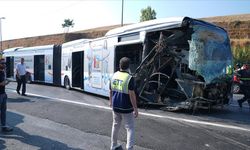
(240, 42)
(231, 18)
(99, 29)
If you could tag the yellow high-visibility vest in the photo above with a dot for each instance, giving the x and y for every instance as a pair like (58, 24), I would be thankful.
(120, 81)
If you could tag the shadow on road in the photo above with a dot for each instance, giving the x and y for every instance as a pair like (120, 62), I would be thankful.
(28, 98)
(42, 143)
(2, 146)
(19, 100)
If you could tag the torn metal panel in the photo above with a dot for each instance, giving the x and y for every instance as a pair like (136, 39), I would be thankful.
(185, 67)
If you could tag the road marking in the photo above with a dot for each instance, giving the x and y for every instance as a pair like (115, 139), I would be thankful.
(145, 114)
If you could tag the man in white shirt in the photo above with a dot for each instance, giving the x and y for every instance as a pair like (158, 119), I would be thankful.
(20, 77)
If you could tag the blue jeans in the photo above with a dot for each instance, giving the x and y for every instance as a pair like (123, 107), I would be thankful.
(3, 105)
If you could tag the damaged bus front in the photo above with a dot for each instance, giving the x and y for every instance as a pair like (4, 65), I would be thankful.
(185, 67)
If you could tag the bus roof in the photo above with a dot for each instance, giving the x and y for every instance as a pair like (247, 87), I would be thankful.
(171, 22)
(11, 49)
(43, 47)
(75, 42)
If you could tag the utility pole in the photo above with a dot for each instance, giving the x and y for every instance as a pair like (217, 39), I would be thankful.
(122, 14)
(1, 41)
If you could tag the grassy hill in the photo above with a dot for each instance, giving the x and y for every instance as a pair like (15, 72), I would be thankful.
(231, 18)
(238, 28)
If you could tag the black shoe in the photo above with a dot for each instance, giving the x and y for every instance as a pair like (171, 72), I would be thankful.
(240, 103)
(7, 129)
(118, 147)
(18, 92)
(24, 95)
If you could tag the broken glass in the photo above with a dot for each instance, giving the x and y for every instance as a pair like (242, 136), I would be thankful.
(210, 52)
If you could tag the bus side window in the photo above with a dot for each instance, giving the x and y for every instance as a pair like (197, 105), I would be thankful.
(49, 67)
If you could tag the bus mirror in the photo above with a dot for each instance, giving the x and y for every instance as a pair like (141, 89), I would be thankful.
(66, 68)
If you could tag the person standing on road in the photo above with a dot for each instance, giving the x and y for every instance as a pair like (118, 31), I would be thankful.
(3, 98)
(245, 84)
(123, 102)
(20, 77)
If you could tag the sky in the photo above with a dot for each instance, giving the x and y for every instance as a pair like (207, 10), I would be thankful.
(27, 18)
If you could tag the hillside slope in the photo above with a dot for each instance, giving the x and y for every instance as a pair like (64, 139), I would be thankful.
(231, 18)
(237, 26)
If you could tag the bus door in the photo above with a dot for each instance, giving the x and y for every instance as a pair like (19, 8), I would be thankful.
(10, 67)
(77, 69)
(57, 54)
(39, 68)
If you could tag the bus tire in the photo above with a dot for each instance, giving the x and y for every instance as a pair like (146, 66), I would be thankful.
(67, 83)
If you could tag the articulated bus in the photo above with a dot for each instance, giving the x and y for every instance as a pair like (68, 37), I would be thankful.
(177, 62)
(41, 62)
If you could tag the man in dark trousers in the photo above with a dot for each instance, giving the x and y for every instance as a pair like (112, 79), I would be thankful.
(20, 77)
(123, 101)
(3, 98)
(244, 74)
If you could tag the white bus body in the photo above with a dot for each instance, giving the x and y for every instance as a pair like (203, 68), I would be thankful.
(164, 54)
(72, 61)
(38, 61)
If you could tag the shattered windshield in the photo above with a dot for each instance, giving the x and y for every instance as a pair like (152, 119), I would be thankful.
(210, 52)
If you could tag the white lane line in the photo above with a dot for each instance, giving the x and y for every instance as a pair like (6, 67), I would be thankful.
(146, 114)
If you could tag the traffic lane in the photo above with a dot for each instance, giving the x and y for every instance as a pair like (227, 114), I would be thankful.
(154, 111)
(153, 133)
(61, 93)
(99, 121)
(219, 118)
(32, 133)
(183, 135)
(229, 114)
(70, 114)
(35, 133)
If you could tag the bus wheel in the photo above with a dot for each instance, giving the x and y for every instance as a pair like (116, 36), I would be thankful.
(66, 83)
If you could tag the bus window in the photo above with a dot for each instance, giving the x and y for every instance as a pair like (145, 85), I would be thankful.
(49, 67)
(132, 51)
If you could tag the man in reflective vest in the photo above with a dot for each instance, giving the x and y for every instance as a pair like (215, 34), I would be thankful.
(123, 101)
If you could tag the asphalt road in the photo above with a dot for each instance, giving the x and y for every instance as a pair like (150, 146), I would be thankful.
(56, 118)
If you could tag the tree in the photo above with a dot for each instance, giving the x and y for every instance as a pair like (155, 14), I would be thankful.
(67, 24)
(147, 14)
